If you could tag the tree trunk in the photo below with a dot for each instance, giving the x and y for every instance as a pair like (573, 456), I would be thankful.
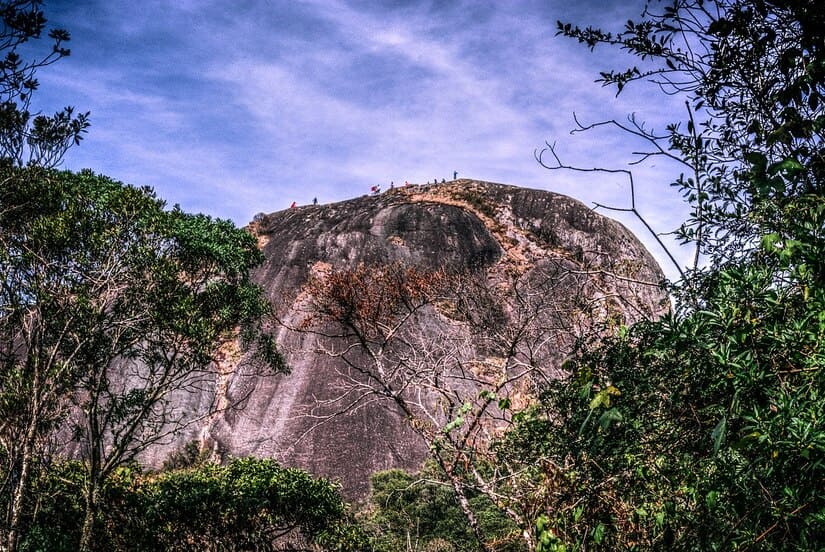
(17, 507)
(87, 533)
(19, 497)
(527, 535)
(93, 474)
(468, 513)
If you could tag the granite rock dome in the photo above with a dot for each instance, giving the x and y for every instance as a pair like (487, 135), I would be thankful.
(496, 231)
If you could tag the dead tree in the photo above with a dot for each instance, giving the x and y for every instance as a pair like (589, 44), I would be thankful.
(456, 354)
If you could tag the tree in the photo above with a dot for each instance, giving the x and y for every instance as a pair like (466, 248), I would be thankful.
(26, 137)
(752, 77)
(388, 355)
(701, 430)
(112, 306)
(36, 353)
(704, 430)
(248, 504)
(455, 353)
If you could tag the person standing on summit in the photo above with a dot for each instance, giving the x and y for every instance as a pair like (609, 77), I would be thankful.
(455, 175)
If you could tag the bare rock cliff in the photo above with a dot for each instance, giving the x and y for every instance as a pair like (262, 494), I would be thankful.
(500, 232)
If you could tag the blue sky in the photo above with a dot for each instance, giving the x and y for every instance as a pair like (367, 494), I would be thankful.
(233, 108)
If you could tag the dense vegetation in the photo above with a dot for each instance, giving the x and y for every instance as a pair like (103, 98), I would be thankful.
(701, 431)
(419, 512)
(111, 307)
(705, 430)
(247, 504)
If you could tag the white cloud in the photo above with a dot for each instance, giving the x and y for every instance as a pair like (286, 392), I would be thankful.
(234, 110)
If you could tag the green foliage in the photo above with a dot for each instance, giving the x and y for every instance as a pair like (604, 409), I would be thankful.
(249, 504)
(112, 304)
(423, 514)
(420, 512)
(28, 138)
(546, 539)
(188, 456)
(716, 438)
(706, 430)
(245, 505)
(78, 243)
(476, 200)
(752, 73)
(56, 514)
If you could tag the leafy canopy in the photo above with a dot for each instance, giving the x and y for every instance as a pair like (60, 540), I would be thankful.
(29, 137)
(111, 307)
(705, 430)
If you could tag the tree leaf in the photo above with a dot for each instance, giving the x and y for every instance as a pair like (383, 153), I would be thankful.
(718, 433)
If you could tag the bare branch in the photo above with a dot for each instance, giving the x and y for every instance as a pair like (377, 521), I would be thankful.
(551, 148)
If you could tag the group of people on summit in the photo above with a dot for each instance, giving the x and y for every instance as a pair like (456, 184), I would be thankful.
(377, 189)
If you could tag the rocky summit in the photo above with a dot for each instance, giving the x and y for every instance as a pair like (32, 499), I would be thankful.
(502, 235)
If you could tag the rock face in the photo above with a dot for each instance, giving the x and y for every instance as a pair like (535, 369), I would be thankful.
(492, 230)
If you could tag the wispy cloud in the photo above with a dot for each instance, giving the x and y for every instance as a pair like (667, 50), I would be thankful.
(235, 109)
